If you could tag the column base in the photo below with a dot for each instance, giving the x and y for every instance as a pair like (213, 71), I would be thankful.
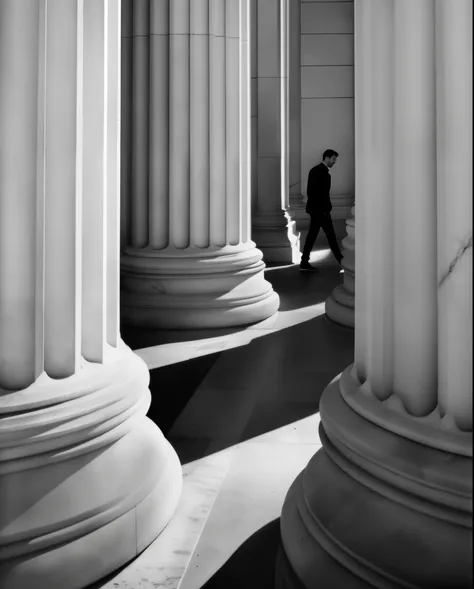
(340, 307)
(88, 482)
(277, 238)
(375, 509)
(196, 288)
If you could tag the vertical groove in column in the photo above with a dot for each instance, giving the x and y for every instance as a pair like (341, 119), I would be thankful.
(233, 89)
(379, 200)
(217, 122)
(294, 75)
(363, 55)
(126, 93)
(62, 287)
(414, 286)
(18, 186)
(40, 192)
(454, 176)
(113, 173)
(269, 172)
(253, 17)
(284, 112)
(245, 121)
(140, 124)
(199, 123)
(94, 181)
(159, 123)
(179, 149)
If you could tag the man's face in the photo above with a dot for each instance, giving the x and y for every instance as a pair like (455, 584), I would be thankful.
(330, 161)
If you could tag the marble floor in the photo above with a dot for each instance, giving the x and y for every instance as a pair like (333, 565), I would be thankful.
(240, 406)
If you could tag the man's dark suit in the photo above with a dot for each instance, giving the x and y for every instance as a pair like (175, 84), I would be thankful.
(319, 208)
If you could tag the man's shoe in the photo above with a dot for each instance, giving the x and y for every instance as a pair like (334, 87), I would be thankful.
(306, 267)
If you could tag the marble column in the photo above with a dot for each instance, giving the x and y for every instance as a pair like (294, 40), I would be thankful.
(74, 437)
(188, 260)
(296, 203)
(341, 302)
(396, 426)
(272, 228)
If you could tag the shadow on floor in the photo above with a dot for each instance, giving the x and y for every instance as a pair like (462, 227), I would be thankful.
(141, 337)
(252, 566)
(172, 386)
(298, 290)
(273, 381)
(281, 383)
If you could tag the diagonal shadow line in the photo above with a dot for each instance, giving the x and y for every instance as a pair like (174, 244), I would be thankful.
(174, 386)
(252, 565)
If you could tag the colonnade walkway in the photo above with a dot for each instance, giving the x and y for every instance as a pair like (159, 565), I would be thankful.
(240, 406)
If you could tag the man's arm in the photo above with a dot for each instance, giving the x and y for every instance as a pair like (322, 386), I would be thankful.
(318, 191)
(313, 183)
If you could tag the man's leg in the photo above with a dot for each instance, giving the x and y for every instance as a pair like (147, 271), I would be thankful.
(314, 227)
(328, 229)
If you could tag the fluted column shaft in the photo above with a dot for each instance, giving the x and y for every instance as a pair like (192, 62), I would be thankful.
(18, 198)
(59, 285)
(189, 117)
(191, 124)
(454, 191)
(396, 282)
(294, 99)
(413, 229)
(271, 229)
(272, 55)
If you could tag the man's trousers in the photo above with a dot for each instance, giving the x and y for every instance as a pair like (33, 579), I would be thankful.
(324, 222)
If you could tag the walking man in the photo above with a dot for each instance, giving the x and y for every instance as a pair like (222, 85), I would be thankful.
(319, 208)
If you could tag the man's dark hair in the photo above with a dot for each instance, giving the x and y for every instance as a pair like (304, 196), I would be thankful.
(330, 153)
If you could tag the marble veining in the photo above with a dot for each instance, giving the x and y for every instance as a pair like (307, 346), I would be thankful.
(460, 253)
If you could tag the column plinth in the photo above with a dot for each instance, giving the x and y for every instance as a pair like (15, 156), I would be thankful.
(341, 303)
(205, 288)
(365, 481)
(72, 450)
